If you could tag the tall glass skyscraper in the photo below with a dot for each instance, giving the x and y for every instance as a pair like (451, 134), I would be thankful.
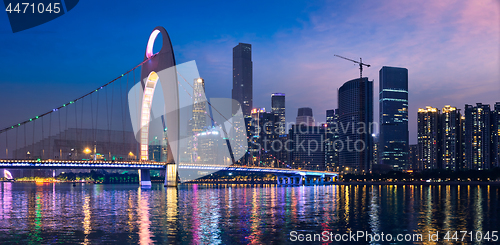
(242, 77)
(278, 108)
(393, 99)
(355, 125)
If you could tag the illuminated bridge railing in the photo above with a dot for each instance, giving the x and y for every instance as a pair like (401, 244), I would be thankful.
(257, 169)
(152, 165)
(79, 164)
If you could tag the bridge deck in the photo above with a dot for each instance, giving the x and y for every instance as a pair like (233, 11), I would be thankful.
(54, 164)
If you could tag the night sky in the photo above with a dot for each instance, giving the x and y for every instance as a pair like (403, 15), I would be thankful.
(451, 50)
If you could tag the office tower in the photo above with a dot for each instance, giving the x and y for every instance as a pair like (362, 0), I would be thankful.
(199, 106)
(393, 99)
(413, 157)
(305, 116)
(198, 123)
(264, 148)
(495, 135)
(450, 138)
(356, 117)
(306, 147)
(242, 77)
(376, 152)
(477, 136)
(428, 138)
(278, 108)
(329, 134)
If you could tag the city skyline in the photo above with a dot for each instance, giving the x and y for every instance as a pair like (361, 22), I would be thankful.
(452, 57)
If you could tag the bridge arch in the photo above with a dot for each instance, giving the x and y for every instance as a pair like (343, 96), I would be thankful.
(161, 67)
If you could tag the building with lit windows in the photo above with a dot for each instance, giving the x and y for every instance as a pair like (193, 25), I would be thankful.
(428, 138)
(477, 136)
(356, 110)
(393, 100)
(495, 118)
(278, 108)
(306, 147)
(198, 123)
(242, 78)
(450, 138)
(413, 157)
(265, 128)
(331, 135)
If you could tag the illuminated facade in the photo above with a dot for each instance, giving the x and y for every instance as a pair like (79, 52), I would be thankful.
(278, 108)
(393, 100)
(477, 136)
(199, 120)
(242, 77)
(331, 135)
(265, 131)
(450, 138)
(199, 106)
(428, 138)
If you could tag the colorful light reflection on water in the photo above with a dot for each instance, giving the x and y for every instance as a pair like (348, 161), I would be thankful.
(234, 214)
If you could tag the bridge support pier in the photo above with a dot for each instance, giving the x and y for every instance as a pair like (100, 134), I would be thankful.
(144, 177)
(171, 175)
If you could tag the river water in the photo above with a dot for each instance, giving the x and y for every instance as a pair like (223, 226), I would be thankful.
(60, 213)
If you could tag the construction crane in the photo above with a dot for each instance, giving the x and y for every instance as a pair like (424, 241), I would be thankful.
(360, 62)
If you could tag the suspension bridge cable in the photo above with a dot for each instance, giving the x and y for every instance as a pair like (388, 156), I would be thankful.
(33, 148)
(43, 141)
(60, 150)
(123, 114)
(77, 99)
(6, 147)
(48, 137)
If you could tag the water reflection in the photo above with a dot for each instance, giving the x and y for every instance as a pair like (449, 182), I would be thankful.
(231, 214)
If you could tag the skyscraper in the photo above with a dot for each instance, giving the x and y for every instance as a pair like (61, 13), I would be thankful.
(305, 116)
(306, 147)
(413, 157)
(331, 134)
(393, 99)
(242, 77)
(199, 106)
(450, 138)
(477, 136)
(278, 108)
(263, 148)
(198, 123)
(428, 138)
(356, 116)
(495, 134)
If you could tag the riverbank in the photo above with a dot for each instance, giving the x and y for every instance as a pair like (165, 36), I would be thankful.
(493, 183)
